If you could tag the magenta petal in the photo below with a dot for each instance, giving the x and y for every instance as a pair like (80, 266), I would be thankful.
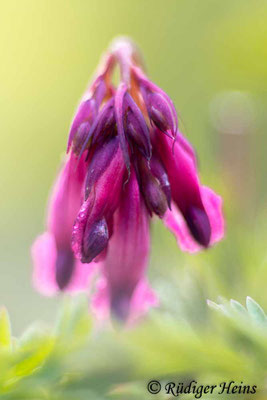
(99, 162)
(174, 220)
(185, 187)
(66, 200)
(213, 206)
(102, 201)
(182, 173)
(128, 250)
(142, 300)
(187, 147)
(44, 254)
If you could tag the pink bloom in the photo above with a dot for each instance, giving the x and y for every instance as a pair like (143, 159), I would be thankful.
(127, 162)
(55, 267)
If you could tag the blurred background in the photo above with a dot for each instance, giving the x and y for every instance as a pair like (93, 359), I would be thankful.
(210, 56)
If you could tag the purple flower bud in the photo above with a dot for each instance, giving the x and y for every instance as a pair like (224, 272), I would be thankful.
(100, 161)
(136, 133)
(86, 112)
(64, 267)
(199, 225)
(160, 173)
(95, 240)
(106, 123)
(80, 137)
(154, 196)
(160, 112)
(119, 108)
(88, 108)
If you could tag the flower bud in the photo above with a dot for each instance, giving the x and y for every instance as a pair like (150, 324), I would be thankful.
(64, 267)
(199, 225)
(105, 124)
(86, 113)
(80, 137)
(160, 173)
(154, 196)
(138, 133)
(95, 240)
(99, 163)
(160, 112)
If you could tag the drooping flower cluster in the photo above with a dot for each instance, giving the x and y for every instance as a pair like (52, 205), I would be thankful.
(126, 162)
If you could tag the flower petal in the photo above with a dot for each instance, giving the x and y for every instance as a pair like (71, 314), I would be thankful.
(44, 254)
(175, 221)
(128, 250)
(185, 187)
(66, 200)
(101, 202)
(143, 299)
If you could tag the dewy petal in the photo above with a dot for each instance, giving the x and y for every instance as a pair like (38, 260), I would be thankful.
(44, 254)
(128, 251)
(101, 202)
(175, 221)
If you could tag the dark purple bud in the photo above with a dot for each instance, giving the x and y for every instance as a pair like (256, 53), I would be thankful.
(160, 173)
(199, 225)
(95, 240)
(64, 268)
(86, 113)
(138, 133)
(106, 122)
(154, 196)
(160, 112)
(80, 137)
(94, 126)
(101, 159)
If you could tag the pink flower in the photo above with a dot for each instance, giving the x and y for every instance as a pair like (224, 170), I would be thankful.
(127, 162)
(55, 267)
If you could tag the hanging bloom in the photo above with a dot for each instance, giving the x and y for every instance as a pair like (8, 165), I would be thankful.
(127, 162)
(55, 267)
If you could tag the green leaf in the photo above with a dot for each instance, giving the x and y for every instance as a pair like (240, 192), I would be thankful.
(236, 306)
(255, 311)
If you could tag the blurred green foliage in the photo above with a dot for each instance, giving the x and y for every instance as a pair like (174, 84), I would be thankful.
(78, 361)
(210, 56)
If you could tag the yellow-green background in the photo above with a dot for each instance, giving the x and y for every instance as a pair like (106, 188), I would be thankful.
(210, 56)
